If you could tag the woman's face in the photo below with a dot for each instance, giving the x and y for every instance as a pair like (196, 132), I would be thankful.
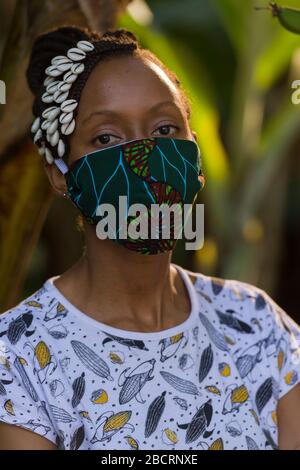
(127, 98)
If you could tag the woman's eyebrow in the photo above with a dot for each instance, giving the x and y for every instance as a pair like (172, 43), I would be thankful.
(109, 112)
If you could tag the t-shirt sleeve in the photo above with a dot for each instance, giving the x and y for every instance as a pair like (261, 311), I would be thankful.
(282, 344)
(20, 399)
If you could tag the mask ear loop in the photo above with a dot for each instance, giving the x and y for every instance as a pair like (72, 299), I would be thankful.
(61, 165)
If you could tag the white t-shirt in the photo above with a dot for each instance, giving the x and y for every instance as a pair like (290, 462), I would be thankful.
(211, 382)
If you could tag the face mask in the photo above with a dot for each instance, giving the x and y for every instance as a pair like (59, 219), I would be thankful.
(159, 170)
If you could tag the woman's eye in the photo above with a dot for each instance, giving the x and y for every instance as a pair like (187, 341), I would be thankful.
(105, 139)
(165, 130)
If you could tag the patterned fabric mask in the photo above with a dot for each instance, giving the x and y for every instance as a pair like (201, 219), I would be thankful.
(159, 170)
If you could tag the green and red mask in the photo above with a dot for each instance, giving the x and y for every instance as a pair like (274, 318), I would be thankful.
(159, 170)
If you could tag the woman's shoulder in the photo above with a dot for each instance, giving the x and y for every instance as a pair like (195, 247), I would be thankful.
(234, 296)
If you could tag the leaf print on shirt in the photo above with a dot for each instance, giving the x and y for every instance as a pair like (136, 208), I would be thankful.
(217, 285)
(236, 396)
(169, 346)
(109, 424)
(249, 358)
(199, 424)
(154, 414)
(206, 362)
(133, 382)
(20, 364)
(2, 388)
(181, 402)
(78, 390)
(19, 327)
(130, 343)
(216, 337)
(91, 360)
(263, 394)
(251, 444)
(182, 385)
(59, 414)
(77, 438)
(57, 310)
(231, 321)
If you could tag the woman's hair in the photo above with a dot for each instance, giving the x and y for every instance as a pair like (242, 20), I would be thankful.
(56, 42)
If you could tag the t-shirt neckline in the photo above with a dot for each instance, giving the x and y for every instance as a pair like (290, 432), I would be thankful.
(122, 333)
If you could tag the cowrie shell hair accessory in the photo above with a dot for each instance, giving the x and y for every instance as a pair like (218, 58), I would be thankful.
(57, 120)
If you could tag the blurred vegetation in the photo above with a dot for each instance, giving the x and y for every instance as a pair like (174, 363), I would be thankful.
(237, 65)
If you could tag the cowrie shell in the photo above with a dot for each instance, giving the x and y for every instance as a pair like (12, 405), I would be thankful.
(35, 125)
(60, 148)
(47, 97)
(51, 113)
(53, 71)
(41, 150)
(60, 96)
(52, 128)
(52, 87)
(64, 86)
(59, 59)
(64, 118)
(48, 155)
(70, 77)
(54, 138)
(68, 128)
(77, 68)
(68, 106)
(45, 124)
(48, 80)
(64, 67)
(85, 46)
(37, 135)
(76, 54)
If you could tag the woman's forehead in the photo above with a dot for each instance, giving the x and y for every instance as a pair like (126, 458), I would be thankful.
(120, 80)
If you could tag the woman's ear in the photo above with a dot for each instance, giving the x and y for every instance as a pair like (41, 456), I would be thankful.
(56, 178)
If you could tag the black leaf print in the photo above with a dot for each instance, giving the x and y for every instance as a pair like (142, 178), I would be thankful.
(260, 302)
(232, 322)
(18, 327)
(217, 285)
(91, 360)
(130, 343)
(154, 414)
(270, 439)
(2, 388)
(216, 337)
(78, 389)
(182, 385)
(206, 362)
(263, 394)
(19, 365)
(59, 414)
(251, 444)
(77, 438)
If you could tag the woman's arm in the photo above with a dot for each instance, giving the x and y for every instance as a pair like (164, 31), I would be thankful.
(288, 414)
(17, 438)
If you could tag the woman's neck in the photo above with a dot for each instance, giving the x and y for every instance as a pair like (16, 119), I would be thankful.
(125, 289)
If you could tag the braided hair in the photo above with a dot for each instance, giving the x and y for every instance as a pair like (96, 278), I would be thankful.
(56, 42)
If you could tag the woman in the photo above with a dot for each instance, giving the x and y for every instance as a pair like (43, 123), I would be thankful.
(126, 350)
